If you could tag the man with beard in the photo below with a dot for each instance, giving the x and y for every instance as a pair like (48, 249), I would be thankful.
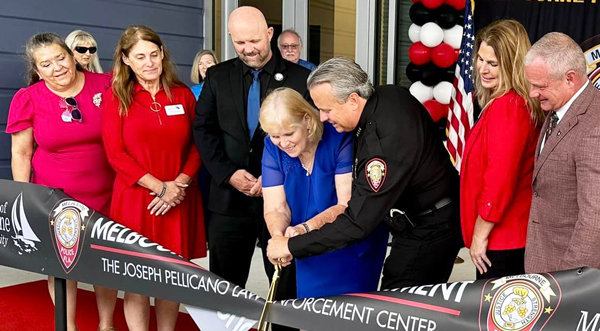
(290, 46)
(230, 141)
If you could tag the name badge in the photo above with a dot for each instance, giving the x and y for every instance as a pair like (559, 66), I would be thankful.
(174, 110)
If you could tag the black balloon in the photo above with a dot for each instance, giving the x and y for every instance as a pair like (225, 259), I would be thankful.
(419, 14)
(413, 72)
(460, 17)
(448, 74)
(445, 16)
(430, 75)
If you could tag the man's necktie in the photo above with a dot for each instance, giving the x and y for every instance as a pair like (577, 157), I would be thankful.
(551, 125)
(253, 103)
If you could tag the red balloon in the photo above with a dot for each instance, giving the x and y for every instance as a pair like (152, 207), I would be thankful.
(419, 54)
(436, 109)
(432, 4)
(443, 55)
(456, 54)
(457, 4)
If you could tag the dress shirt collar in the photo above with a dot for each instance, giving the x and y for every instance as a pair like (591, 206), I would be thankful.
(268, 68)
(563, 110)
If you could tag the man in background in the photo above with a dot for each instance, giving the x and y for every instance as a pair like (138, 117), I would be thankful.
(290, 45)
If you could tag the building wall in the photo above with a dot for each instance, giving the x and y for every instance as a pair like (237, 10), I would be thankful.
(178, 22)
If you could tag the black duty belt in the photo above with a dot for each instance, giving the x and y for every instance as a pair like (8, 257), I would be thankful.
(400, 222)
(438, 205)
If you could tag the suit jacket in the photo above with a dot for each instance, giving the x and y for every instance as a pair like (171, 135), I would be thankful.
(496, 173)
(221, 130)
(564, 223)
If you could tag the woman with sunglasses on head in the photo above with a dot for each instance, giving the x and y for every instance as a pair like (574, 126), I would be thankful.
(85, 49)
(55, 125)
(147, 131)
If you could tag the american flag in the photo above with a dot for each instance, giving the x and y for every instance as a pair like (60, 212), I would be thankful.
(460, 114)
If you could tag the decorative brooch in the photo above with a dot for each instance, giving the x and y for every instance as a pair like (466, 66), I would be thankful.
(98, 99)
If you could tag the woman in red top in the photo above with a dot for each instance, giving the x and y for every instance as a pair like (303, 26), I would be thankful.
(498, 160)
(146, 128)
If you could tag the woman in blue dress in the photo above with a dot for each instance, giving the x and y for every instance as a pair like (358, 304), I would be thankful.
(204, 59)
(307, 182)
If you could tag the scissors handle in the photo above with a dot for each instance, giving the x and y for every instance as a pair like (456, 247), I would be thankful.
(263, 325)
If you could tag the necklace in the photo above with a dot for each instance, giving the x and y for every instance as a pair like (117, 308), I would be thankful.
(306, 167)
(155, 107)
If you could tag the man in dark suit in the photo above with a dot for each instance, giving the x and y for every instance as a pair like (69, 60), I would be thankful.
(230, 141)
(564, 222)
(402, 174)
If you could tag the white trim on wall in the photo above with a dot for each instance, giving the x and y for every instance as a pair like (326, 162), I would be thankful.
(391, 51)
(208, 24)
(295, 16)
(365, 35)
(227, 50)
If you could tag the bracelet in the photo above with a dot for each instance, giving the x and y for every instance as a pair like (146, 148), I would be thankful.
(164, 190)
(306, 228)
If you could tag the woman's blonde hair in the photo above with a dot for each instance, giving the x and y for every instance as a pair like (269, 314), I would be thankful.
(285, 108)
(78, 37)
(124, 78)
(510, 43)
(195, 75)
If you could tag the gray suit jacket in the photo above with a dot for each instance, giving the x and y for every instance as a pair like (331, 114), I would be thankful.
(564, 223)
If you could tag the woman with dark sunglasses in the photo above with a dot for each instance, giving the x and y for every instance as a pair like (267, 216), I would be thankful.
(85, 50)
(55, 125)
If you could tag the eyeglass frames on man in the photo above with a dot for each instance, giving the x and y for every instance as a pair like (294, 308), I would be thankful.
(292, 47)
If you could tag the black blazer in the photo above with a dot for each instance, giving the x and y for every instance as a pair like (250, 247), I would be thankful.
(221, 131)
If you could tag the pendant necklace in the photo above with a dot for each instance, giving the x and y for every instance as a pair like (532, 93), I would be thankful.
(307, 168)
(156, 107)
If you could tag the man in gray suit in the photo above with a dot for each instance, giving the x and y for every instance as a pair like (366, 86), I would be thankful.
(564, 223)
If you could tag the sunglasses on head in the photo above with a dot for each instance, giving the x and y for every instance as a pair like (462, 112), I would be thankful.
(83, 50)
(72, 112)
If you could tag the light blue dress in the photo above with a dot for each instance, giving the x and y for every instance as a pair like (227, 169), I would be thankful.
(353, 269)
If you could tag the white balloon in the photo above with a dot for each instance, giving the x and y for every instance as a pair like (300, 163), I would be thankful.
(442, 92)
(431, 34)
(413, 33)
(421, 92)
(453, 36)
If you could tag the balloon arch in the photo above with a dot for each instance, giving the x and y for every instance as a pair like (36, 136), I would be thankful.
(436, 34)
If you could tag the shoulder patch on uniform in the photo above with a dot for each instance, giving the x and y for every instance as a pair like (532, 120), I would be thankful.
(375, 171)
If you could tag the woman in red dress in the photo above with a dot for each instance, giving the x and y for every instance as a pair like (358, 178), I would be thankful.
(146, 128)
(497, 168)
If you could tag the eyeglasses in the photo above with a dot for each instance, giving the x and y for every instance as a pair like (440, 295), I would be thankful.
(72, 112)
(292, 47)
(83, 50)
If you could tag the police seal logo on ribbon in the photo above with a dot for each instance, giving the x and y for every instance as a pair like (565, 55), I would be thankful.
(518, 303)
(67, 222)
(375, 172)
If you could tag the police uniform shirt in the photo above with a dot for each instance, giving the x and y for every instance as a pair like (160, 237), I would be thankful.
(399, 163)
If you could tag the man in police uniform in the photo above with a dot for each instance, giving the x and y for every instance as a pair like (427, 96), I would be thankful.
(402, 174)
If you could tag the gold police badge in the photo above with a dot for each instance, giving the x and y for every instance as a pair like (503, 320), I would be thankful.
(519, 303)
(375, 172)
